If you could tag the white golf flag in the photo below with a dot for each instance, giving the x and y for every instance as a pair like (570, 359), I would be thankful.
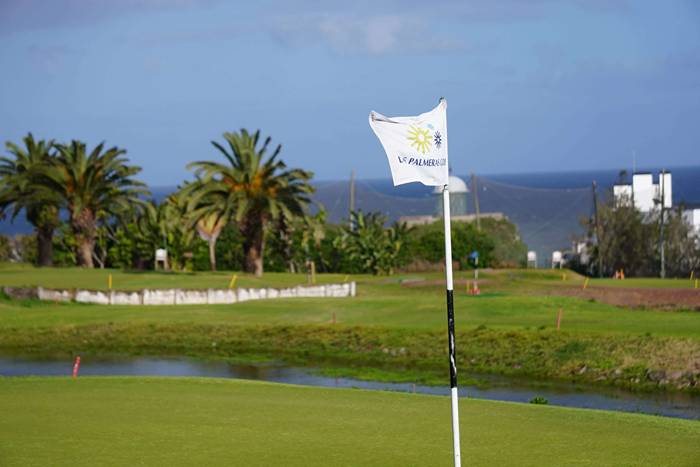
(415, 146)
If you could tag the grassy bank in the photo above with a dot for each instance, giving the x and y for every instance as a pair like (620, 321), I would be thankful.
(642, 362)
(129, 421)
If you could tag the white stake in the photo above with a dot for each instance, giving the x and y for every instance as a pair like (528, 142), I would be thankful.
(451, 325)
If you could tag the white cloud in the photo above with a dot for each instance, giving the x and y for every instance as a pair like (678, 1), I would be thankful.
(380, 34)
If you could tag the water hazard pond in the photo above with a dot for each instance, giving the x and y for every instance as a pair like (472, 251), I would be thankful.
(668, 404)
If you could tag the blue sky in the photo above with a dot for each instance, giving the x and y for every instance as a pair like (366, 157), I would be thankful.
(532, 86)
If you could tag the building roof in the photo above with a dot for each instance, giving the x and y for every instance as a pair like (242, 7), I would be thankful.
(455, 185)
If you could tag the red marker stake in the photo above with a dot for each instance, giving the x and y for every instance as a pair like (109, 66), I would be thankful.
(76, 367)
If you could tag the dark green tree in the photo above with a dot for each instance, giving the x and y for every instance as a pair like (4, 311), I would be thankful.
(682, 245)
(94, 186)
(206, 213)
(426, 244)
(258, 189)
(21, 190)
(166, 225)
(369, 246)
(626, 238)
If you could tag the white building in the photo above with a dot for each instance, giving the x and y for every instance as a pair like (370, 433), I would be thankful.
(458, 206)
(644, 193)
(458, 197)
(692, 217)
(666, 189)
(623, 194)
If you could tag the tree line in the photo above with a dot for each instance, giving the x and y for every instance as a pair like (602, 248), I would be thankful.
(657, 243)
(247, 211)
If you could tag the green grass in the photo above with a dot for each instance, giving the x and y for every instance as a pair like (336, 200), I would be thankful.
(514, 279)
(150, 421)
(12, 274)
(387, 305)
(18, 275)
(508, 330)
(387, 354)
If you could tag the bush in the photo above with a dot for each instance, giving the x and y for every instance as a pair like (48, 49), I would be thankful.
(426, 243)
(5, 248)
(27, 249)
(371, 247)
(64, 246)
(229, 249)
(122, 251)
(509, 250)
(629, 239)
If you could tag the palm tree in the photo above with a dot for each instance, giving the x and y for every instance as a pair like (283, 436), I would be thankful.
(370, 246)
(256, 189)
(94, 186)
(206, 213)
(209, 229)
(166, 225)
(313, 233)
(19, 190)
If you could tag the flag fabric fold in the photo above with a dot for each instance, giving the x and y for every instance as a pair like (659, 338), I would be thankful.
(415, 146)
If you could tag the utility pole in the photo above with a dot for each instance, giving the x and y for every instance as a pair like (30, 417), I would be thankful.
(352, 199)
(597, 229)
(662, 247)
(475, 192)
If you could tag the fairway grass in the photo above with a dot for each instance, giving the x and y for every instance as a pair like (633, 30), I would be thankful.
(188, 421)
(386, 305)
(25, 275)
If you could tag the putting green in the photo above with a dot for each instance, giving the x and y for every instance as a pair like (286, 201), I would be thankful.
(174, 421)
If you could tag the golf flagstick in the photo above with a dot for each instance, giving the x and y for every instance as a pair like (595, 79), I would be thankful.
(416, 149)
(454, 395)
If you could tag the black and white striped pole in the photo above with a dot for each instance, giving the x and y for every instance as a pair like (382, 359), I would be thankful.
(451, 325)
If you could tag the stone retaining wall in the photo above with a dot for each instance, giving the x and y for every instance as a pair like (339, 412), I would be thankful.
(181, 296)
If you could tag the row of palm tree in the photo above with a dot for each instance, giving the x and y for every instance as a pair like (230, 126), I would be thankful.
(18, 191)
(44, 178)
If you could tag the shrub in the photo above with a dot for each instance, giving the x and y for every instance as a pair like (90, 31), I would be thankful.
(369, 246)
(27, 249)
(426, 243)
(64, 245)
(509, 250)
(5, 248)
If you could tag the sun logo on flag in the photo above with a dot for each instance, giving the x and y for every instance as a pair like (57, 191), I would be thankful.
(419, 138)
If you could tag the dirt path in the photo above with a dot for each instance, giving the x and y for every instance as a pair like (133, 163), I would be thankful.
(665, 299)
(661, 298)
